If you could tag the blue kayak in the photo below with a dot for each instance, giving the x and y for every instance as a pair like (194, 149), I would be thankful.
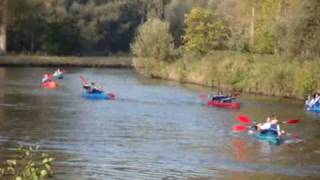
(98, 96)
(60, 76)
(314, 109)
(269, 136)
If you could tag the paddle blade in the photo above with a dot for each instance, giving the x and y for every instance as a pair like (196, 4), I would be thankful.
(83, 80)
(112, 96)
(239, 128)
(244, 119)
(293, 121)
(203, 96)
(236, 94)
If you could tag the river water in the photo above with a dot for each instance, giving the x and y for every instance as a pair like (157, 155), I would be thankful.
(154, 130)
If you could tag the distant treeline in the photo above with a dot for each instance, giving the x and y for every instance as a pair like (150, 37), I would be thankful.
(102, 27)
(73, 27)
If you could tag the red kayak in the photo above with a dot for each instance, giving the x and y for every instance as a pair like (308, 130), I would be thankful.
(232, 105)
(49, 85)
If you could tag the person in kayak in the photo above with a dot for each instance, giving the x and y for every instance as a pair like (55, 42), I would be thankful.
(46, 78)
(228, 98)
(263, 126)
(92, 88)
(308, 101)
(222, 98)
(274, 127)
(58, 72)
(314, 101)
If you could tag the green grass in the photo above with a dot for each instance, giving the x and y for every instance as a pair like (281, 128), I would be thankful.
(47, 61)
(261, 74)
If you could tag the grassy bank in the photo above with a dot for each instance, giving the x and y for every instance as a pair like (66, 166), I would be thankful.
(261, 74)
(57, 61)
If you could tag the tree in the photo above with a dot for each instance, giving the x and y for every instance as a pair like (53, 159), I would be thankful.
(153, 41)
(300, 35)
(205, 31)
(174, 14)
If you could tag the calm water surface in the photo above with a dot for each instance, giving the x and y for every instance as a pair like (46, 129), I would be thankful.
(154, 130)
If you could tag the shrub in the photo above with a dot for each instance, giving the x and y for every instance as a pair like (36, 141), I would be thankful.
(31, 164)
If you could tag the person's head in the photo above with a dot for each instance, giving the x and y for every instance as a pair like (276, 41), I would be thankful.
(268, 119)
(93, 83)
(274, 119)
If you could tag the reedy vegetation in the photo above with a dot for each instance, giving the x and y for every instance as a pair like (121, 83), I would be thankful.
(270, 47)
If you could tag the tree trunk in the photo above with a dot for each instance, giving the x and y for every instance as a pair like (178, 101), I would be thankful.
(252, 26)
(3, 27)
(161, 9)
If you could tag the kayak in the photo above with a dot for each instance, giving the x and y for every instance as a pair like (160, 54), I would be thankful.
(269, 136)
(60, 76)
(98, 96)
(232, 105)
(49, 85)
(314, 109)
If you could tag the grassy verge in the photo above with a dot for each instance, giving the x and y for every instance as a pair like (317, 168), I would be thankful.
(261, 74)
(57, 61)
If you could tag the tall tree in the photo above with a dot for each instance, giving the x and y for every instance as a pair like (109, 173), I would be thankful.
(205, 31)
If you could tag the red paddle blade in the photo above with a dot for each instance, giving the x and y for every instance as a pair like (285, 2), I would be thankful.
(203, 96)
(236, 94)
(239, 128)
(244, 119)
(83, 80)
(112, 96)
(293, 121)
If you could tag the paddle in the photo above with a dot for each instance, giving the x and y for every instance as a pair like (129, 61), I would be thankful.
(239, 128)
(206, 96)
(83, 80)
(203, 96)
(291, 121)
(244, 119)
(86, 82)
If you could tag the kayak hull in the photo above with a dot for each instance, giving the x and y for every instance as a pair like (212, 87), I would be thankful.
(50, 85)
(60, 76)
(98, 96)
(231, 105)
(314, 109)
(272, 138)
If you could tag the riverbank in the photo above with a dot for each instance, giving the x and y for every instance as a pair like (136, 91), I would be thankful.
(250, 73)
(73, 61)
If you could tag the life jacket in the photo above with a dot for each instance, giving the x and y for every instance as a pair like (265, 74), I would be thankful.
(274, 127)
(219, 97)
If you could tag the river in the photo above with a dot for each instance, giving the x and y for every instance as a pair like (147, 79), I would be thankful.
(155, 129)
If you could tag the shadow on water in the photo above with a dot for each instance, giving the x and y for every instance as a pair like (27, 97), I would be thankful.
(155, 129)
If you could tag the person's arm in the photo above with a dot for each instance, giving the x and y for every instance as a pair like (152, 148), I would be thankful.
(278, 130)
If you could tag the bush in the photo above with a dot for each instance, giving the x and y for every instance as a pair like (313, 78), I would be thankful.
(31, 164)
